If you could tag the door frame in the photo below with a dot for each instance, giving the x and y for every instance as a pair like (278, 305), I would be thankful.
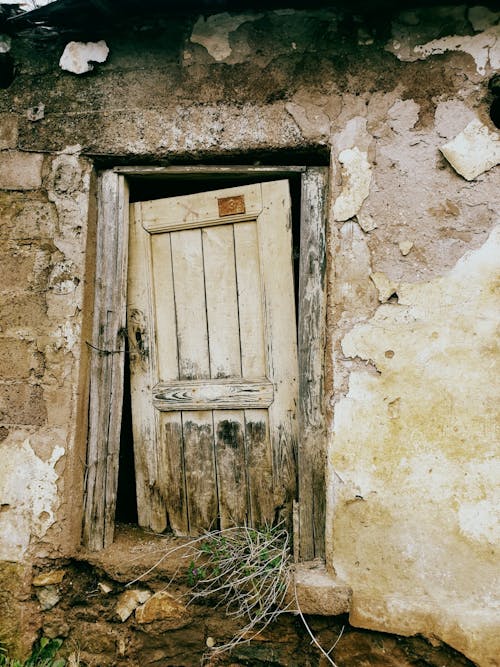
(107, 348)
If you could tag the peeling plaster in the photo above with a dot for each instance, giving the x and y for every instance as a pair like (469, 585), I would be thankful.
(484, 47)
(78, 57)
(473, 151)
(29, 495)
(424, 424)
(213, 32)
(356, 178)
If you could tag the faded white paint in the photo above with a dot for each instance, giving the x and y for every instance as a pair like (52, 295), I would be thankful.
(28, 489)
(78, 57)
(473, 151)
(413, 456)
(356, 178)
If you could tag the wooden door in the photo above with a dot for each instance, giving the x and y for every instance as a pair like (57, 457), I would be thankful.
(213, 359)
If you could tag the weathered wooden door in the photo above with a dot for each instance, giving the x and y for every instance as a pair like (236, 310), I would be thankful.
(213, 360)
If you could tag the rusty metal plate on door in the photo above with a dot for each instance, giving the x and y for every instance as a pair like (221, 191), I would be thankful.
(231, 205)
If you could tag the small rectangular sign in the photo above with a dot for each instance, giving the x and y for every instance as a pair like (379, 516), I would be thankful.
(231, 205)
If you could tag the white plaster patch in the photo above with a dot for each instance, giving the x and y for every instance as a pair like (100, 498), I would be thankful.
(484, 47)
(78, 57)
(356, 179)
(385, 286)
(67, 336)
(213, 32)
(29, 497)
(473, 151)
(405, 247)
(27, 5)
(366, 222)
(353, 135)
(481, 521)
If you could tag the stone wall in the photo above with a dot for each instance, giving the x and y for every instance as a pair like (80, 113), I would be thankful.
(413, 267)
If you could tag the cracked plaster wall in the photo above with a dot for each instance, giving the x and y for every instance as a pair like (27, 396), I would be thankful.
(411, 356)
(44, 203)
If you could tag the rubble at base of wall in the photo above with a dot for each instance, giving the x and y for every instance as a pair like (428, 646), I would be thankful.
(93, 603)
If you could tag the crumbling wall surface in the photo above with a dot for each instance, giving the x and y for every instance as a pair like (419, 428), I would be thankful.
(402, 105)
(413, 459)
(43, 231)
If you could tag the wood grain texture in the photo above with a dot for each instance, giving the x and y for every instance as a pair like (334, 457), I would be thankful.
(251, 315)
(213, 394)
(198, 210)
(312, 323)
(222, 302)
(190, 305)
(145, 427)
(260, 468)
(229, 430)
(106, 375)
(201, 486)
(164, 307)
(275, 249)
(170, 452)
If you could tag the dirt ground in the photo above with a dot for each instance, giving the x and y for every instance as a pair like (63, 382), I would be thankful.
(83, 609)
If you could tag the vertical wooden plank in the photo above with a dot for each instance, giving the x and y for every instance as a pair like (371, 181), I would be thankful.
(311, 344)
(225, 361)
(145, 421)
(222, 301)
(190, 304)
(201, 485)
(253, 363)
(170, 451)
(106, 375)
(164, 307)
(275, 249)
(229, 430)
(194, 364)
(260, 468)
(253, 357)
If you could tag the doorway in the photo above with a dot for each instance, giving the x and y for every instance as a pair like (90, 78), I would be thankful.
(308, 187)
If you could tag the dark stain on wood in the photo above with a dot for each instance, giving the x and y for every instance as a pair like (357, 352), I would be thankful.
(229, 433)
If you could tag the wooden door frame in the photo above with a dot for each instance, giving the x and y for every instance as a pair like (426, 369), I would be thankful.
(108, 347)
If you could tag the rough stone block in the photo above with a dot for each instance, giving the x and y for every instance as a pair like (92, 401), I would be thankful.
(20, 171)
(22, 404)
(21, 218)
(319, 593)
(8, 130)
(24, 311)
(16, 359)
(163, 607)
(18, 619)
(17, 268)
